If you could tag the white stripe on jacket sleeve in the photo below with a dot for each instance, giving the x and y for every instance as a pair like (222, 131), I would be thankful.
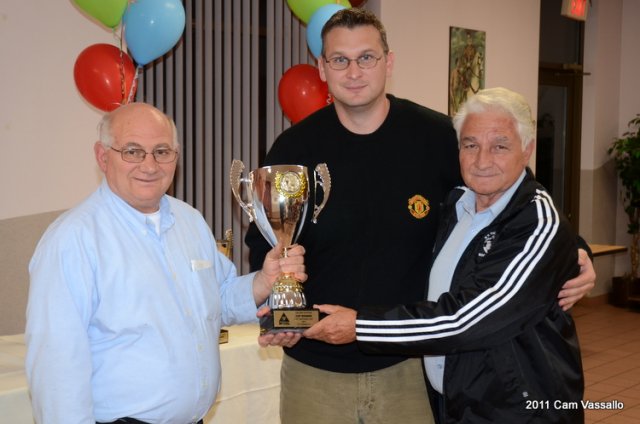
(510, 282)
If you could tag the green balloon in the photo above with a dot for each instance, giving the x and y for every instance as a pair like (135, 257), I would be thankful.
(303, 9)
(109, 12)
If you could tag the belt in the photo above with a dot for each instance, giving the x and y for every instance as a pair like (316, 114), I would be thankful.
(127, 420)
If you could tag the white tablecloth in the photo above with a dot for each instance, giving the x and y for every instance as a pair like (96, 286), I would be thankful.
(249, 392)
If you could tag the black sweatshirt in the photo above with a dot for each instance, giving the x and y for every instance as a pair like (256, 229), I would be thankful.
(373, 241)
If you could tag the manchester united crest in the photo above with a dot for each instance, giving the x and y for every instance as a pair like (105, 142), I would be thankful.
(419, 206)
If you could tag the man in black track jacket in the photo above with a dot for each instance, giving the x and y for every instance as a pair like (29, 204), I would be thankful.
(500, 348)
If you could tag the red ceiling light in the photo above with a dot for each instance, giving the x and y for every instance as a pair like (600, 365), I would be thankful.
(575, 9)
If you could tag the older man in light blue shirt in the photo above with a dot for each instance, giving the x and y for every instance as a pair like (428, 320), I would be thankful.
(503, 252)
(470, 223)
(128, 291)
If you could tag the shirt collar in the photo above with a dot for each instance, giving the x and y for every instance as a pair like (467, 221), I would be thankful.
(467, 202)
(134, 216)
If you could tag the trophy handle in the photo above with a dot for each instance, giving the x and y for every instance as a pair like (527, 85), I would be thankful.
(321, 172)
(235, 177)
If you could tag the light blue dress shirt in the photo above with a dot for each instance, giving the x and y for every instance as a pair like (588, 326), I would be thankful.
(123, 320)
(469, 224)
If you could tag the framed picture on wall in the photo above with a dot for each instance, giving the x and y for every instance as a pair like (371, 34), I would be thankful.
(466, 65)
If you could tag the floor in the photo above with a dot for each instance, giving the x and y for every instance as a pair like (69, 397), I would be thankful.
(610, 343)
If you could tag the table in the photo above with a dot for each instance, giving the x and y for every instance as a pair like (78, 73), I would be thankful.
(249, 392)
(606, 249)
(250, 387)
(15, 405)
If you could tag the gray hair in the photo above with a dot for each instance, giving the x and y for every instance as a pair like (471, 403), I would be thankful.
(504, 100)
(105, 135)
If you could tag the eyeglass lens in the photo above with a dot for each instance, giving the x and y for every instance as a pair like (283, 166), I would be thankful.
(365, 61)
(162, 155)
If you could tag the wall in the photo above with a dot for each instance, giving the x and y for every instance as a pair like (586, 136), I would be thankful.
(46, 126)
(629, 102)
(610, 100)
(418, 32)
(46, 129)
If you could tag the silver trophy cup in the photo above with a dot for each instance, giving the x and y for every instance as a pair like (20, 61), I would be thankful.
(276, 199)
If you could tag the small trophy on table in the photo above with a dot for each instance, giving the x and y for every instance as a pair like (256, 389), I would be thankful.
(277, 199)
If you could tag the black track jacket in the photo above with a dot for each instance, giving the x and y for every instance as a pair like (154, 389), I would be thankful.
(512, 354)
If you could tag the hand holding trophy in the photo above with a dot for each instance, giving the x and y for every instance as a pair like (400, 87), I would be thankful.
(277, 200)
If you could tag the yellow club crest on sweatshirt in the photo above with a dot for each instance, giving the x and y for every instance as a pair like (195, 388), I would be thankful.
(419, 206)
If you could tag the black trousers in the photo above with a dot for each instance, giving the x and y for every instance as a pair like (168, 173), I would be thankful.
(437, 404)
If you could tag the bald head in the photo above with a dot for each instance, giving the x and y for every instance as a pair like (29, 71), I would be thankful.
(134, 114)
(131, 138)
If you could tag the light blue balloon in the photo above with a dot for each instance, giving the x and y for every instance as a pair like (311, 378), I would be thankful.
(152, 28)
(314, 28)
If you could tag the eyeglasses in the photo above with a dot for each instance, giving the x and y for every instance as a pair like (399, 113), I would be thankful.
(136, 155)
(340, 63)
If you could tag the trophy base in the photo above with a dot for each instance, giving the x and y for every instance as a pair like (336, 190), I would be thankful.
(288, 320)
(224, 336)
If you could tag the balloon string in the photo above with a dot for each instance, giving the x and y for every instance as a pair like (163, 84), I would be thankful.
(134, 84)
(122, 76)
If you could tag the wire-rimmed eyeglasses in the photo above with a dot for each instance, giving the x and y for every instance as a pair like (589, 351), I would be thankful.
(137, 155)
(340, 63)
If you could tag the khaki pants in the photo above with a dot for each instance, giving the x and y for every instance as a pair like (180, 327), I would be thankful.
(396, 394)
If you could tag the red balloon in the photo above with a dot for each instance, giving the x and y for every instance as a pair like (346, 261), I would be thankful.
(357, 3)
(301, 92)
(98, 76)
